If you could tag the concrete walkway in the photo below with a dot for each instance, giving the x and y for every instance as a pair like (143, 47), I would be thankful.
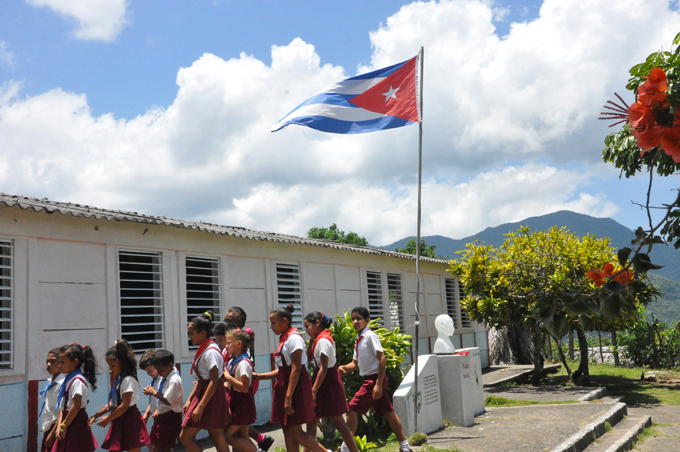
(666, 422)
(497, 375)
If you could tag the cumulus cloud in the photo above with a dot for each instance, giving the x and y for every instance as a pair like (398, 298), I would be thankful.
(508, 126)
(97, 20)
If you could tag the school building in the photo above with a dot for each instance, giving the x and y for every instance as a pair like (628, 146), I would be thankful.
(73, 273)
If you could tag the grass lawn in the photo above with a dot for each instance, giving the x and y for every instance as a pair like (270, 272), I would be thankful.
(625, 382)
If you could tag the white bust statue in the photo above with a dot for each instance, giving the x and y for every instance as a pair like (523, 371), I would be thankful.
(445, 329)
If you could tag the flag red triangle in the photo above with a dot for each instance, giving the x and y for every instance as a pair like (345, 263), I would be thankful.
(394, 96)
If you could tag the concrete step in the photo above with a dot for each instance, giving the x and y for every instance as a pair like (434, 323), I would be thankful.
(622, 435)
(593, 430)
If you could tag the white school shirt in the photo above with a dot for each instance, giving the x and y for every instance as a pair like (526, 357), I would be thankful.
(210, 358)
(173, 393)
(75, 387)
(129, 384)
(324, 347)
(50, 414)
(153, 404)
(293, 343)
(366, 356)
(242, 368)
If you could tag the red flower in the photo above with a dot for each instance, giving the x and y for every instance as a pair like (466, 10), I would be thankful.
(656, 82)
(670, 143)
(600, 277)
(648, 137)
(641, 115)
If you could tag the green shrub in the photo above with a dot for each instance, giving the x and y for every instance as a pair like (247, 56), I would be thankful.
(417, 439)
(363, 444)
(652, 344)
(396, 347)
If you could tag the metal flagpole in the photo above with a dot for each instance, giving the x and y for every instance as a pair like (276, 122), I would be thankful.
(420, 177)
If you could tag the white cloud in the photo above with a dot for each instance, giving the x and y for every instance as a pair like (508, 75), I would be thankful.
(98, 20)
(6, 56)
(531, 98)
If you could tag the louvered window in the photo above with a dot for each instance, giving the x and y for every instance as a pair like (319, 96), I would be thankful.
(451, 304)
(141, 299)
(204, 290)
(465, 321)
(396, 301)
(289, 290)
(375, 296)
(6, 304)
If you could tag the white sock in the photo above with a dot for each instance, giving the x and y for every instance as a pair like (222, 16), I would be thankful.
(404, 445)
(344, 447)
(259, 450)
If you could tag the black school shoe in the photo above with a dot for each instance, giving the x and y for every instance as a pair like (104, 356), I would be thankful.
(266, 444)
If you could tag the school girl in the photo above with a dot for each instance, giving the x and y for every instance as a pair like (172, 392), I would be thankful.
(167, 421)
(239, 376)
(220, 332)
(370, 360)
(293, 403)
(73, 434)
(238, 316)
(127, 430)
(207, 407)
(327, 388)
(49, 412)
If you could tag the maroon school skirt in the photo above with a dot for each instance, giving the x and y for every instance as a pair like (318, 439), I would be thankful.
(330, 400)
(216, 413)
(43, 447)
(127, 431)
(165, 430)
(303, 401)
(242, 406)
(78, 438)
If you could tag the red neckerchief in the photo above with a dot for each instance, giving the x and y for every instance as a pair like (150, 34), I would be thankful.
(225, 357)
(283, 338)
(356, 344)
(202, 349)
(325, 334)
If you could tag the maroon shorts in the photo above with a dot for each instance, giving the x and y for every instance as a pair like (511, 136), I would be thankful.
(127, 431)
(43, 447)
(165, 430)
(363, 399)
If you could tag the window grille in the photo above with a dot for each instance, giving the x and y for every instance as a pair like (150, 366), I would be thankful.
(465, 321)
(6, 304)
(141, 300)
(289, 290)
(396, 301)
(375, 296)
(204, 290)
(451, 307)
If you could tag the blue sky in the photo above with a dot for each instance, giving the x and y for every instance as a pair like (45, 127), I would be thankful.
(163, 107)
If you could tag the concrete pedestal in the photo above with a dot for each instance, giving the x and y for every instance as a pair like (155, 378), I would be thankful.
(457, 403)
(429, 400)
(476, 377)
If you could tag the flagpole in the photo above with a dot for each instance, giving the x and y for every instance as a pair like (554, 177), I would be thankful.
(420, 177)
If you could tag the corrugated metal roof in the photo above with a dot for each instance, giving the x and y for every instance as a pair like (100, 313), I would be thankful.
(78, 210)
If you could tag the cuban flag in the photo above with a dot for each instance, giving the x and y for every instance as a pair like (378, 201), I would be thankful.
(382, 99)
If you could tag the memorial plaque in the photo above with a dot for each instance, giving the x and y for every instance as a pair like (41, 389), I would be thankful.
(429, 399)
(476, 377)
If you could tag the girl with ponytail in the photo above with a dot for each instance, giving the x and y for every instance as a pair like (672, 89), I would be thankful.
(207, 407)
(78, 365)
(293, 404)
(128, 429)
(327, 388)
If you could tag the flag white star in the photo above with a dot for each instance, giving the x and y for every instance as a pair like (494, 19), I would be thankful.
(392, 93)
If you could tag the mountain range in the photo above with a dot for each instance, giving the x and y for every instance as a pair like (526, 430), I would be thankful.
(666, 279)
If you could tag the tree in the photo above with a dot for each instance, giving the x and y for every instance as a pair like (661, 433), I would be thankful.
(425, 249)
(539, 281)
(336, 235)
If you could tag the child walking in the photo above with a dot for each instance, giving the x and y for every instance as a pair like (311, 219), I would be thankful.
(207, 407)
(49, 412)
(370, 360)
(78, 364)
(167, 420)
(237, 316)
(239, 376)
(146, 365)
(327, 388)
(293, 403)
(127, 431)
